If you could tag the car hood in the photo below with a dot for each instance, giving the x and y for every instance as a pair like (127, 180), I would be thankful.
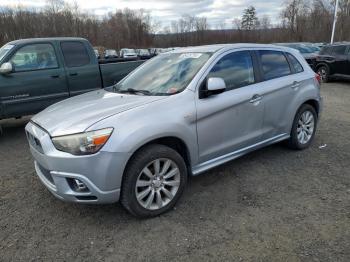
(76, 114)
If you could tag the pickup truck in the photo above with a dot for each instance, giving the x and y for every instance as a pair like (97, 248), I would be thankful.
(38, 72)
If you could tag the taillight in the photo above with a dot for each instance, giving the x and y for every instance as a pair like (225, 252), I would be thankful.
(318, 78)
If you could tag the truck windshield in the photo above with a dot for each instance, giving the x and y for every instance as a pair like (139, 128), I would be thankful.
(4, 50)
(165, 74)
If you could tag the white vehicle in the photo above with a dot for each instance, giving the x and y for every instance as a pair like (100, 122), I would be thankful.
(128, 53)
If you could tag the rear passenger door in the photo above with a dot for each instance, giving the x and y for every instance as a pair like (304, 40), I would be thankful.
(82, 69)
(278, 87)
(341, 58)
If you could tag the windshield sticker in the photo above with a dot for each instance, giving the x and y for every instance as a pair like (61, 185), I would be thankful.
(191, 55)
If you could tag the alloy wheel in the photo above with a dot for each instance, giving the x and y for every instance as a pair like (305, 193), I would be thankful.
(305, 129)
(157, 184)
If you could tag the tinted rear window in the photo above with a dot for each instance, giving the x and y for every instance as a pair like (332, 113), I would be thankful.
(75, 54)
(274, 64)
(339, 50)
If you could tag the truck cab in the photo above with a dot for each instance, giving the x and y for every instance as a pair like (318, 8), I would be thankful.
(36, 73)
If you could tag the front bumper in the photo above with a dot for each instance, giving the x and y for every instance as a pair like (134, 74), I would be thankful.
(101, 173)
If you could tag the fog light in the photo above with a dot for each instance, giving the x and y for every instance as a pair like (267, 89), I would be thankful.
(79, 185)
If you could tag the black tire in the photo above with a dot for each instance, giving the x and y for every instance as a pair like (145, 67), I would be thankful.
(323, 71)
(140, 160)
(293, 141)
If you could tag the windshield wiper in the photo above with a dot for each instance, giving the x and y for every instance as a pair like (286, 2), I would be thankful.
(135, 91)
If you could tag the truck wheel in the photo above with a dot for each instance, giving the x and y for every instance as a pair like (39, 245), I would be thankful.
(153, 181)
(323, 71)
(304, 128)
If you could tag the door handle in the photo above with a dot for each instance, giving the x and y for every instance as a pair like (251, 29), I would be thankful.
(55, 76)
(255, 98)
(295, 85)
(73, 74)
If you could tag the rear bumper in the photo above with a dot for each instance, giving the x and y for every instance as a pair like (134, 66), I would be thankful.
(101, 173)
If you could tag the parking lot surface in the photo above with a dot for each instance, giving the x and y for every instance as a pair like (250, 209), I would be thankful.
(272, 205)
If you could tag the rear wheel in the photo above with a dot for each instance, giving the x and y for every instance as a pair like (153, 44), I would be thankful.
(304, 127)
(323, 72)
(154, 181)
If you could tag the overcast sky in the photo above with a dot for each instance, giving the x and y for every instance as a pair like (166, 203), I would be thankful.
(217, 11)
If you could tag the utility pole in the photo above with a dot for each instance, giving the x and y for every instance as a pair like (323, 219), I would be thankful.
(334, 20)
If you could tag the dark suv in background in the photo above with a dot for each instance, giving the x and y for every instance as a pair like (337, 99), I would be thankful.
(334, 61)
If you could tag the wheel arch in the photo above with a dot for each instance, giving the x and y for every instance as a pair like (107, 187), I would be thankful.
(173, 142)
(314, 103)
(325, 65)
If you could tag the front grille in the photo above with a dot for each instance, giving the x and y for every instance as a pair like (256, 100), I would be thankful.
(34, 142)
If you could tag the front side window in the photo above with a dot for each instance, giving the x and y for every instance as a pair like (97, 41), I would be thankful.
(75, 54)
(274, 64)
(236, 69)
(166, 74)
(34, 57)
(326, 50)
(295, 63)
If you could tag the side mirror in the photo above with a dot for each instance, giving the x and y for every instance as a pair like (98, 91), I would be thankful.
(214, 86)
(6, 68)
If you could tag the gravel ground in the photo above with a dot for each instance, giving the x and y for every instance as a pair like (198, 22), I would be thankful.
(271, 205)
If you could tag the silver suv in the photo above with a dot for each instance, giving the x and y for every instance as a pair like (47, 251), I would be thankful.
(179, 114)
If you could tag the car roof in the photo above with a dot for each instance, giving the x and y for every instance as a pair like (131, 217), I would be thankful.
(48, 39)
(218, 47)
(338, 44)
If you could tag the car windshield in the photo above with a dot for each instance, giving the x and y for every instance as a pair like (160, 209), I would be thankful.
(303, 49)
(4, 50)
(111, 52)
(314, 49)
(129, 51)
(165, 74)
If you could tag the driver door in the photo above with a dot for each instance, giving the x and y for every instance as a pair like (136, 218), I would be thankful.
(36, 82)
(232, 120)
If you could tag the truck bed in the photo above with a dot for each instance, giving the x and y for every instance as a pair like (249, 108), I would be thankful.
(114, 72)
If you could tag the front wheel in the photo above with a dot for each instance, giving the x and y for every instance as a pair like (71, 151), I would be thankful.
(304, 128)
(153, 181)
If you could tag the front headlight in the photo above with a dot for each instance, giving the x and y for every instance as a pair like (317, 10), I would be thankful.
(84, 143)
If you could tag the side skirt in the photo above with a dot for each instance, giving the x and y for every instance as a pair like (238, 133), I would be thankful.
(198, 169)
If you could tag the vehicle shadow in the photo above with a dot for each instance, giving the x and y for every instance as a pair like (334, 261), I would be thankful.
(13, 126)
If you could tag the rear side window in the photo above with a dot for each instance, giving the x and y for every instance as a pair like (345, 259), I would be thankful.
(236, 69)
(274, 64)
(339, 50)
(75, 54)
(295, 63)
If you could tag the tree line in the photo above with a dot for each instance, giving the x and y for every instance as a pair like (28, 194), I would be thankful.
(300, 20)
